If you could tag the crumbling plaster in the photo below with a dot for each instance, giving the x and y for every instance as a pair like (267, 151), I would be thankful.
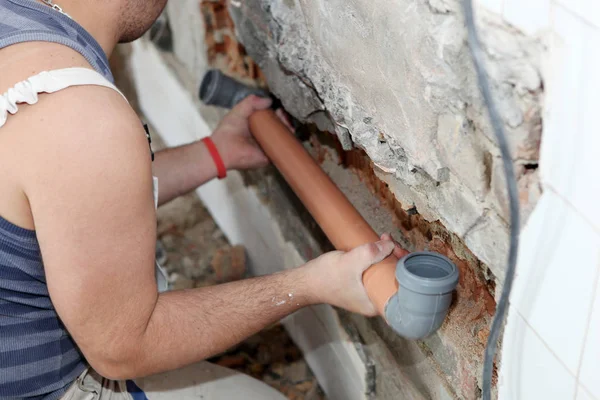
(396, 80)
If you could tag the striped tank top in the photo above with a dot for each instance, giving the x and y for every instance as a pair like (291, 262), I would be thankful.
(38, 357)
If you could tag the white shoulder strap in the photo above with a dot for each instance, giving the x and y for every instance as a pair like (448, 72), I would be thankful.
(48, 82)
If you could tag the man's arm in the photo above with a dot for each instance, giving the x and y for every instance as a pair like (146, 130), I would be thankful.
(184, 168)
(88, 181)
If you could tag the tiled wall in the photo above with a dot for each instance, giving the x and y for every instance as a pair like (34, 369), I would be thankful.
(551, 344)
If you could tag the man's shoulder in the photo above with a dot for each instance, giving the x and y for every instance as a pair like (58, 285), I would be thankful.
(82, 118)
(81, 132)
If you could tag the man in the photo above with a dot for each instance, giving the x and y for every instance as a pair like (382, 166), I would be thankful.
(76, 191)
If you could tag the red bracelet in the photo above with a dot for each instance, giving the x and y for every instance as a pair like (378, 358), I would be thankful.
(214, 153)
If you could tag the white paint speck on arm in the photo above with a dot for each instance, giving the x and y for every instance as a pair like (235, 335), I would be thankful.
(277, 303)
(290, 296)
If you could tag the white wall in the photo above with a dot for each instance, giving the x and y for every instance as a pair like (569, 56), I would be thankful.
(552, 338)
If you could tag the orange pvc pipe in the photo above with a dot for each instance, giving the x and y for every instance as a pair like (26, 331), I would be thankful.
(341, 222)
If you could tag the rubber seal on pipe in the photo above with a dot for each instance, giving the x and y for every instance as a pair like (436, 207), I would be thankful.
(426, 282)
(427, 273)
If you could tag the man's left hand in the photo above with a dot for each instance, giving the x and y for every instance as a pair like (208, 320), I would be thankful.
(234, 140)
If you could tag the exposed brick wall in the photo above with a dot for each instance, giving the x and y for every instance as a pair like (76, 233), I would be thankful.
(222, 47)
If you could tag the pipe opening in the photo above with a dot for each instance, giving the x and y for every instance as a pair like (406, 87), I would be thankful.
(427, 272)
(428, 266)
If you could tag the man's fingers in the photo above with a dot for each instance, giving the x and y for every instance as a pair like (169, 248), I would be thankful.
(385, 248)
(284, 118)
(369, 254)
(250, 104)
(399, 252)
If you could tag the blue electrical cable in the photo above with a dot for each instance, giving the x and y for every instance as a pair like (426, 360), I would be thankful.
(513, 198)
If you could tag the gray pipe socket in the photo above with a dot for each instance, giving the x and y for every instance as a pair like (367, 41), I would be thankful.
(426, 281)
(217, 89)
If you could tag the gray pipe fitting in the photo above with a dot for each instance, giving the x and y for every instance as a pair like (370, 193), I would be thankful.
(426, 281)
(217, 89)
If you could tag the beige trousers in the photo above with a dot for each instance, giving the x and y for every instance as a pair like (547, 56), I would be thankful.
(198, 381)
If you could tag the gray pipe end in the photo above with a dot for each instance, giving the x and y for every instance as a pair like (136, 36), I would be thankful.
(217, 89)
(426, 281)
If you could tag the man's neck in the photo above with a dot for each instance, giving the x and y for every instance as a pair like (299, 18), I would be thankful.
(97, 18)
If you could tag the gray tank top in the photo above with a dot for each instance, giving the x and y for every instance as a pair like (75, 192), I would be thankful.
(38, 357)
(29, 21)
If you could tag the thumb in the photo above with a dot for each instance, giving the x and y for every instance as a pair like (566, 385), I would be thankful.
(252, 103)
(371, 253)
(261, 103)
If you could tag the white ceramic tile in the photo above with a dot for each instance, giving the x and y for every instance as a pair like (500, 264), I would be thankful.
(583, 394)
(569, 153)
(561, 139)
(574, 6)
(556, 274)
(589, 375)
(492, 5)
(589, 10)
(530, 16)
(585, 193)
(529, 370)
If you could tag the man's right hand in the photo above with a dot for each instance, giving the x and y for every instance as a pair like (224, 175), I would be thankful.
(337, 276)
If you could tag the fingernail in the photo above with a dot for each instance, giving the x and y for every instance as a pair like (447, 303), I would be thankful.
(385, 246)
